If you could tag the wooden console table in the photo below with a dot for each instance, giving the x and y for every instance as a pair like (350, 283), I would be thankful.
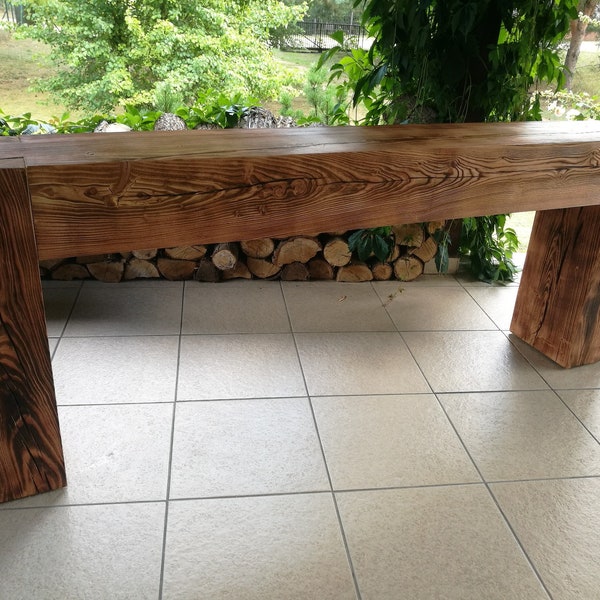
(81, 194)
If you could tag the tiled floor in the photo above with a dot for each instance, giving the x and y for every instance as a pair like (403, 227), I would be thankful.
(269, 441)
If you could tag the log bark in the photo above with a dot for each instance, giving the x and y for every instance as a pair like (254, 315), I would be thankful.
(107, 271)
(186, 252)
(176, 270)
(261, 268)
(410, 234)
(320, 269)
(407, 268)
(295, 249)
(145, 254)
(355, 272)
(295, 271)
(336, 252)
(225, 256)
(206, 271)
(261, 248)
(140, 269)
(426, 251)
(557, 308)
(31, 457)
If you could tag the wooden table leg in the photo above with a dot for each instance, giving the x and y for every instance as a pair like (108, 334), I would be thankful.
(558, 304)
(31, 458)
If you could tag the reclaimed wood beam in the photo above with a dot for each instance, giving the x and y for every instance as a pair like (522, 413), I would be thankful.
(95, 193)
(31, 458)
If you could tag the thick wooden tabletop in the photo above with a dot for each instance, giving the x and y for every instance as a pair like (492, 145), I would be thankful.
(95, 193)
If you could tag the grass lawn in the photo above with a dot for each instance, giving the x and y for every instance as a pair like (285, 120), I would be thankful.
(22, 62)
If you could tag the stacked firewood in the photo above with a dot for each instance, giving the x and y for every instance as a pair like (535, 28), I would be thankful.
(324, 256)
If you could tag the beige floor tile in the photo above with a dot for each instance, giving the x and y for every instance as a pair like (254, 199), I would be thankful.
(432, 309)
(464, 361)
(58, 304)
(79, 552)
(112, 454)
(387, 288)
(559, 378)
(437, 542)
(260, 548)
(105, 370)
(239, 366)
(558, 522)
(244, 447)
(320, 307)
(106, 309)
(522, 435)
(235, 307)
(497, 302)
(586, 405)
(358, 364)
(386, 441)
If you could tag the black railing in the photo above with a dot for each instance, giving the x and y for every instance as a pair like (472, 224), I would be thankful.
(12, 12)
(316, 36)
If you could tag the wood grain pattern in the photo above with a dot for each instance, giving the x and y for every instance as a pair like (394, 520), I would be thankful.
(98, 194)
(31, 459)
(558, 303)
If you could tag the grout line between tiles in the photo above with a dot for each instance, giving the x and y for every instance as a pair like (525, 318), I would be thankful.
(64, 327)
(331, 490)
(493, 497)
(575, 415)
(172, 442)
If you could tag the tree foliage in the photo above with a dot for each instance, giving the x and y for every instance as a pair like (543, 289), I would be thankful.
(112, 52)
(457, 60)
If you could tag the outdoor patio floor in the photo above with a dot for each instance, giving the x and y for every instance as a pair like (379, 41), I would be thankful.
(265, 440)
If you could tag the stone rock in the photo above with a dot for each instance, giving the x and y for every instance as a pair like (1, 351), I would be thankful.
(169, 122)
(106, 127)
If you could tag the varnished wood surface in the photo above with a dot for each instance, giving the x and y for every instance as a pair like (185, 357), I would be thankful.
(558, 304)
(31, 459)
(95, 193)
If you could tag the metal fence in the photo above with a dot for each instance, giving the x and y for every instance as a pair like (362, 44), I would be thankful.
(316, 36)
(11, 12)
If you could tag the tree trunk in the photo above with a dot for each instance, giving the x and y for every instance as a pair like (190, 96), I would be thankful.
(320, 269)
(336, 252)
(260, 248)
(382, 271)
(137, 268)
(407, 268)
(355, 272)
(206, 271)
(295, 271)
(176, 270)
(107, 271)
(578, 29)
(295, 249)
(240, 271)
(225, 256)
(261, 268)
